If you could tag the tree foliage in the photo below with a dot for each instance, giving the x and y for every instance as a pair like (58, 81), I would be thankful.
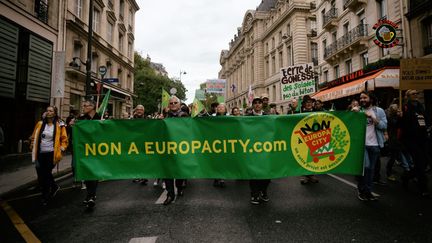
(148, 85)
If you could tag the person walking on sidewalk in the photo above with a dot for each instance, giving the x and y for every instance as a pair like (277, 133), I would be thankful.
(48, 141)
(89, 110)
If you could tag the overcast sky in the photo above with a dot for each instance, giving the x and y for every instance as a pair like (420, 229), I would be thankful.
(188, 35)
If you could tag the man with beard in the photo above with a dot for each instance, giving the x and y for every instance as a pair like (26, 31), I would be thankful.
(376, 125)
(174, 111)
(414, 137)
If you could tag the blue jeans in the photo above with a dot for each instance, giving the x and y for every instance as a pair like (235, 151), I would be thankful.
(371, 155)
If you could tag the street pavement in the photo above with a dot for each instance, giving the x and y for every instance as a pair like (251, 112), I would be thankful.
(129, 212)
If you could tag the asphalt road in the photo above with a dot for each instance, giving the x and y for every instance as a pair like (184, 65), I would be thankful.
(127, 212)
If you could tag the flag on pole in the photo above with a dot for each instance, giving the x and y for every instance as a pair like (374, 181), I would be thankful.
(165, 99)
(197, 107)
(102, 108)
(250, 95)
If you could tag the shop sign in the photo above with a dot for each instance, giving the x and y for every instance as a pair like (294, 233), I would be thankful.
(297, 81)
(345, 79)
(110, 80)
(385, 33)
(416, 73)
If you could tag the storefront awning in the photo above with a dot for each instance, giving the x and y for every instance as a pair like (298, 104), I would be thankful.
(388, 78)
(348, 89)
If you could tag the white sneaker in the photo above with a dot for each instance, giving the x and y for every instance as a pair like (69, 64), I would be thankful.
(163, 185)
(155, 183)
(83, 186)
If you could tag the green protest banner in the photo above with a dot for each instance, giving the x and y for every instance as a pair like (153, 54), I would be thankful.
(254, 147)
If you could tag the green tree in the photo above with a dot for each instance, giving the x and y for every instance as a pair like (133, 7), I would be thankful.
(148, 85)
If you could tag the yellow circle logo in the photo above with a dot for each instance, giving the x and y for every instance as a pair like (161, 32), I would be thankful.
(320, 142)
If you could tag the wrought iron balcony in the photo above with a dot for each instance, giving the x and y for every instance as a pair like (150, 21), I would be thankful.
(353, 3)
(41, 11)
(353, 37)
(329, 18)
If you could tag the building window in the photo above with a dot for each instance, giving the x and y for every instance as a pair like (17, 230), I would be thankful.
(96, 20)
(121, 39)
(385, 52)
(364, 59)
(130, 18)
(289, 56)
(41, 10)
(77, 51)
(324, 45)
(314, 49)
(346, 28)
(273, 70)
(273, 43)
(348, 66)
(427, 46)
(110, 28)
(336, 71)
(280, 59)
(78, 8)
(129, 49)
(94, 63)
(334, 36)
(382, 8)
(267, 47)
(266, 67)
(274, 98)
(121, 9)
(325, 76)
(289, 29)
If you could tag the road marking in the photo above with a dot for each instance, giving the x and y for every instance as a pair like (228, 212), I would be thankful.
(19, 224)
(144, 240)
(349, 183)
(162, 197)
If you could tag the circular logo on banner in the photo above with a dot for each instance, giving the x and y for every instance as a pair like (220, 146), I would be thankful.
(320, 142)
(385, 33)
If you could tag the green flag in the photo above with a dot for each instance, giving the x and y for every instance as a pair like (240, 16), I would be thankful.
(165, 99)
(197, 107)
(102, 108)
(228, 147)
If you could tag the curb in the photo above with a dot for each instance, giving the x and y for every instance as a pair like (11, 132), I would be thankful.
(58, 176)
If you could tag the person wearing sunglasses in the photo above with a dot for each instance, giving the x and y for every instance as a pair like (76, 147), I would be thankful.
(175, 111)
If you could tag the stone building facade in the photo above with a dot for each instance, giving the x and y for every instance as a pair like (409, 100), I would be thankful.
(277, 34)
(113, 47)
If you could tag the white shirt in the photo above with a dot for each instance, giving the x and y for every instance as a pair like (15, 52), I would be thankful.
(47, 139)
(371, 137)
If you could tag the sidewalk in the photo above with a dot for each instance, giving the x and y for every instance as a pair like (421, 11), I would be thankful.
(21, 172)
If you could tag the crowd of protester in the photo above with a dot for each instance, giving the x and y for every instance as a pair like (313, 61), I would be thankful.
(399, 135)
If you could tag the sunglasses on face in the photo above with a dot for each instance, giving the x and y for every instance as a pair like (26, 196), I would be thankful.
(173, 103)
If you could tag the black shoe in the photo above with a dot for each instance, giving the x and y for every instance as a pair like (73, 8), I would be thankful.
(168, 200)
(180, 192)
(44, 202)
(144, 182)
(91, 202)
(362, 196)
(55, 190)
(216, 183)
(222, 183)
(264, 197)
(255, 200)
(380, 183)
(371, 197)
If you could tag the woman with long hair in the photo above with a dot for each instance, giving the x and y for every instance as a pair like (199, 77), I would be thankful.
(48, 141)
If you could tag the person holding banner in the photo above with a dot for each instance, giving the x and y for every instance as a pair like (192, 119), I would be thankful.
(174, 106)
(374, 141)
(89, 113)
(258, 187)
(48, 141)
(139, 114)
(221, 110)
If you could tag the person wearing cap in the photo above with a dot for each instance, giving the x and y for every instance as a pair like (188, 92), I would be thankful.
(308, 106)
(258, 187)
(265, 102)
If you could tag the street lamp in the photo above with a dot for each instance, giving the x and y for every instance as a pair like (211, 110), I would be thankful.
(182, 72)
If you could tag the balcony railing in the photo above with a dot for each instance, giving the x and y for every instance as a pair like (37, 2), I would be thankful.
(330, 15)
(353, 3)
(41, 11)
(346, 40)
